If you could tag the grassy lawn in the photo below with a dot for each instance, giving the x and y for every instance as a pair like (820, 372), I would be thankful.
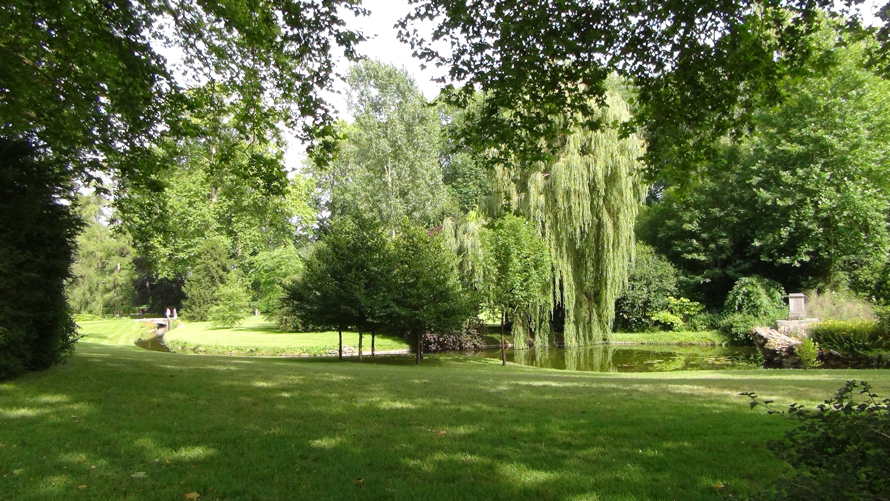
(259, 337)
(118, 422)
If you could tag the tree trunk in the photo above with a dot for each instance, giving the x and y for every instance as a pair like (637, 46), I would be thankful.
(373, 337)
(417, 362)
(340, 331)
(503, 346)
(360, 349)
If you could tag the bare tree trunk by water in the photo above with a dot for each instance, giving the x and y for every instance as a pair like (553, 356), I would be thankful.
(503, 346)
(360, 349)
(373, 338)
(340, 331)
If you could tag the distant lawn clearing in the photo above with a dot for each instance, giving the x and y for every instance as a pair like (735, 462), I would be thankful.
(118, 422)
(255, 336)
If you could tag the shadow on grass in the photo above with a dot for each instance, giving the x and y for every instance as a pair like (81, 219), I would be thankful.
(235, 428)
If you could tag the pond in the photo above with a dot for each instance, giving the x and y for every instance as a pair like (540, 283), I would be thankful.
(635, 358)
(615, 358)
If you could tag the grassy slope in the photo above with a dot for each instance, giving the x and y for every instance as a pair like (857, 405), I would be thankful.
(453, 428)
(256, 336)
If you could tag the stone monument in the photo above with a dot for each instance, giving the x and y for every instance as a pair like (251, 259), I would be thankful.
(797, 306)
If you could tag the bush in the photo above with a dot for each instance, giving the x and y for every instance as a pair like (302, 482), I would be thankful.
(703, 321)
(737, 326)
(678, 311)
(838, 306)
(857, 337)
(808, 352)
(651, 281)
(755, 296)
(667, 320)
(468, 338)
(839, 451)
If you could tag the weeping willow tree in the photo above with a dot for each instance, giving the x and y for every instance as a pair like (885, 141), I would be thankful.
(583, 203)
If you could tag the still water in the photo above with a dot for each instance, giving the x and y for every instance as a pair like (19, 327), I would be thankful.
(635, 358)
(624, 358)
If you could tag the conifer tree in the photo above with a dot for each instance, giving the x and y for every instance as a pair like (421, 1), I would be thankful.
(102, 272)
(205, 280)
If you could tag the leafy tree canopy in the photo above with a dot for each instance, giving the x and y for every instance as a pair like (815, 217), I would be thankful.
(700, 68)
(204, 189)
(388, 162)
(809, 199)
(85, 79)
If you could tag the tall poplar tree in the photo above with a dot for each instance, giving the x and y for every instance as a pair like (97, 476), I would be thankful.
(388, 164)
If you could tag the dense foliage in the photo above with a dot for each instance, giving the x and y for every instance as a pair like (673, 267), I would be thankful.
(755, 296)
(651, 281)
(839, 451)
(37, 238)
(809, 193)
(700, 67)
(851, 337)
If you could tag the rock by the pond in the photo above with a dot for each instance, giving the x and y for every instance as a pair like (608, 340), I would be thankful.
(778, 350)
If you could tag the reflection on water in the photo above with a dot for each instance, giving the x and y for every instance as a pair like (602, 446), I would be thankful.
(634, 358)
(156, 342)
(600, 358)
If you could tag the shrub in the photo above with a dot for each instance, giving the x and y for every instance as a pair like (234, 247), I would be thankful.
(857, 337)
(468, 338)
(703, 321)
(737, 326)
(667, 320)
(838, 306)
(651, 281)
(678, 311)
(755, 296)
(839, 451)
(808, 352)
